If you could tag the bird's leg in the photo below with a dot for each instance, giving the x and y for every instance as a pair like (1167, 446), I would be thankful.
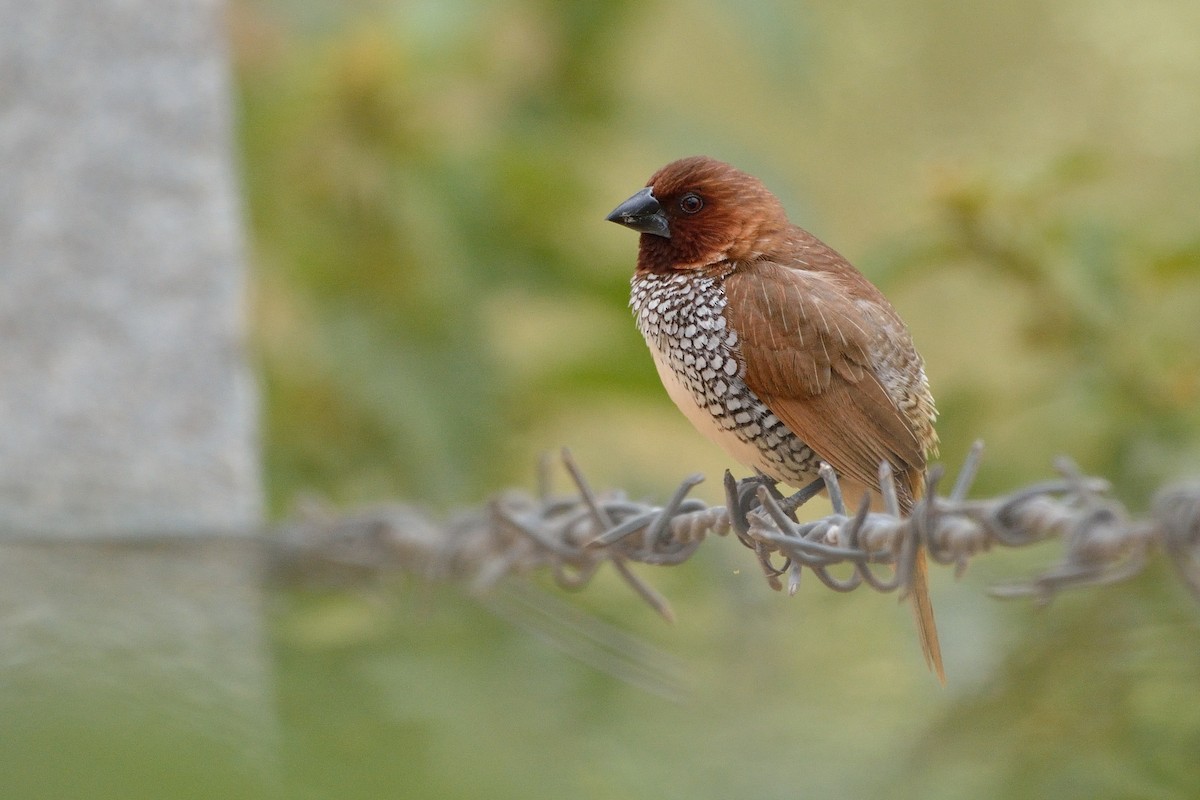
(760, 478)
(791, 505)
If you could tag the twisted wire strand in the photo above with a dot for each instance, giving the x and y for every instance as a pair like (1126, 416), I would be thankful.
(573, 536)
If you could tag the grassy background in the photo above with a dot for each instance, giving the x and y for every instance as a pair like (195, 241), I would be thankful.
(437, 301)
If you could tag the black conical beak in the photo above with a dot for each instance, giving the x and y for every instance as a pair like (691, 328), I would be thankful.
(643, 214)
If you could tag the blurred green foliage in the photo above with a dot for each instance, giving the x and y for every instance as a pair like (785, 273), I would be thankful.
(1107, 317)
(438, 300)
(409, 199)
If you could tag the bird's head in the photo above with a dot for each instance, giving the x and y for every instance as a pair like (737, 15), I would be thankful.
(699, 211)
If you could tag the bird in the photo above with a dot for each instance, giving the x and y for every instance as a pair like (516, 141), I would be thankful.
(776, 348)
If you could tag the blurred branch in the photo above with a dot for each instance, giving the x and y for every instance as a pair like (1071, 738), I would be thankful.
(573, 536)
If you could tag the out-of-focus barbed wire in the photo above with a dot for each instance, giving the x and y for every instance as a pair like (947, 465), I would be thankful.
(573, 536)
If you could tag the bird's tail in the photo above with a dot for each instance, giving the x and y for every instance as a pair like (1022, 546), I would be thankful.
(910, 486)
(918, 590)
(922, 607)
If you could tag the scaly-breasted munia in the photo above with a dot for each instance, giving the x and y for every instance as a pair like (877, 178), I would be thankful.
(774, 346)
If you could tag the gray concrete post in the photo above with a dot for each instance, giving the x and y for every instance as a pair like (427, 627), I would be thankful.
(132, 656)
(125, 402)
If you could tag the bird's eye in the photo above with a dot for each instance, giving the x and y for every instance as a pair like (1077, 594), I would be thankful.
(690, 203)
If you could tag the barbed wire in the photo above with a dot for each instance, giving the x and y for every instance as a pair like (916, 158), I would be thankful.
(573, 536)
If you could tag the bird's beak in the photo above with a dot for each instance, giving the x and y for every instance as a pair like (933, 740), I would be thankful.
(643, 214)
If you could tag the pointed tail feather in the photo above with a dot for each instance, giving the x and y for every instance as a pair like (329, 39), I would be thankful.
(922, 608)
(910, 487)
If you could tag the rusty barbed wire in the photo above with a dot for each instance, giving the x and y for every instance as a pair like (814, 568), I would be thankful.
(573, 536)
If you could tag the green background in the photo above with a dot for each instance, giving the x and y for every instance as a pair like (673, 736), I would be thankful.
(437, 301)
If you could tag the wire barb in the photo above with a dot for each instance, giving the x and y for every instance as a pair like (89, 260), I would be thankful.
(571, 537)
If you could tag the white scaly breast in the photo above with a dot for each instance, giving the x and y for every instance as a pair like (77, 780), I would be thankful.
(741, 450)
(680, 316)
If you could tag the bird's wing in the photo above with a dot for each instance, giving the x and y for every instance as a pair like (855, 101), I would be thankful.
(808, 346)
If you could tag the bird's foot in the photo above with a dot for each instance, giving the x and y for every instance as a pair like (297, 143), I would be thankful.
(741, 497)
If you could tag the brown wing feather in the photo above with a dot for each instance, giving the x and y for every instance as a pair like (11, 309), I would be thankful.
(808, 356)
(807, 345)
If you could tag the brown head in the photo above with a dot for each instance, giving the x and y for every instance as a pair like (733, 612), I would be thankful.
(699, 211)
